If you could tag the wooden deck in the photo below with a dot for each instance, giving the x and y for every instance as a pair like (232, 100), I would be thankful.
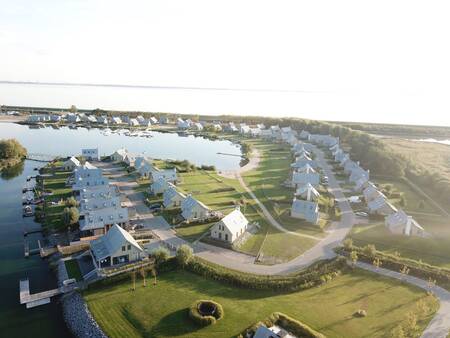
(40, 298)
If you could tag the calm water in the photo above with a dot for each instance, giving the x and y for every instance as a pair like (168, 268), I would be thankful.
(65, 142)
(15, 319)
(432, 140)
(46, 321)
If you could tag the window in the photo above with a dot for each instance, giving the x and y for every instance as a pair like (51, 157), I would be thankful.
(129, 247)
(123, 248)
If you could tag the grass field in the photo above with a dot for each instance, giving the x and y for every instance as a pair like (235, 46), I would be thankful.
(161, 310)
(434, 250)
(57, 185)
(73, 270)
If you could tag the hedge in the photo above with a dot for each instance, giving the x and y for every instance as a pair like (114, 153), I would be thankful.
(395, 263)
(315, 275)
(202, 320)
(291, 325)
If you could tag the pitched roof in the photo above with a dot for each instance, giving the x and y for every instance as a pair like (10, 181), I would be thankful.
(112, 241)
(234, 221)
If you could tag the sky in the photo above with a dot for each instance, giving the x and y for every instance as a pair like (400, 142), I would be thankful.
(382, 61)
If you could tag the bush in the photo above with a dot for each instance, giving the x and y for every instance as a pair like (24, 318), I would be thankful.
(315, 275)
(360, 313)
(370, 250)
(161, 255)
(205, 320)
(184, 255)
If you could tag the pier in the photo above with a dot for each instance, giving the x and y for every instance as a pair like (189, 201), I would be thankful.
(40, 298)
(40, 157)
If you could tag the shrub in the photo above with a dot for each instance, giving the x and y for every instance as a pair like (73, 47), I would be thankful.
(315, 275)
(161, 255)
(205, 320)
(370, 250)
(360, 313)
(184, 255)
(71, 202)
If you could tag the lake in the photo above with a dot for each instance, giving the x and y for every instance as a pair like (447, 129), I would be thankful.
(46, 321)
(67, 142)
(15, 319)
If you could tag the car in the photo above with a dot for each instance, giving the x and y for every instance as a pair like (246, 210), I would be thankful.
(361, 214)
(155, 206)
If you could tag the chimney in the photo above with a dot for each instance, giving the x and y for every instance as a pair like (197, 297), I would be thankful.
(408, 226)
(308, 193)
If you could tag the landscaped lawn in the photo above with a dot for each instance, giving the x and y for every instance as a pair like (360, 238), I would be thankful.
(193, 232)
(161, 310)
(413, 198)
(73, 270)
(434, 250)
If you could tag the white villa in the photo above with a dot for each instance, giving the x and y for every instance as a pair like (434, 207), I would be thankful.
(97, 222)
(90, 154)
(307, 210)
(308, 192)
(231, 227)
(183, 125)
(381, 206)
(303, 178)
(88, 175)
(192, 209)
(172, 198)
(116, 120)
(401, 223)
(117, 246)
(97, 192)
(159, 186)
(146, 168)
(197, 126)
(302, 160)
(71, 164)
(169, 175)
(119, 155)
(106, 201)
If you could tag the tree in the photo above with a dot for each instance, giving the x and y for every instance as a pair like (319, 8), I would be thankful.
(398, 332)
(348, 243)
(404, 270)
(71, 202)
(354, 257)
(73, 109)
(370, 250)
(410, 325)
(11, 149)
(184, 255)
(421, 205)
(133, 280)
(431, 284)
(161, 255)
(70, 216)
(143, 273)
(377, 263)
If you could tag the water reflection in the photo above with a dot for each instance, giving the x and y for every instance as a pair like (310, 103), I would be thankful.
(13, 171)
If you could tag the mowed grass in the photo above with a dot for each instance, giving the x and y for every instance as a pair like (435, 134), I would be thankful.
(73, 270)
(434, 250)
(161, 310)
(413, 198)
(57, 185)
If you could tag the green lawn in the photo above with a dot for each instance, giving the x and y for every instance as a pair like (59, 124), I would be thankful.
(57, 185)
(193, 232)
(161, 310)
(73, 270)
(412, 197)
(434, 250)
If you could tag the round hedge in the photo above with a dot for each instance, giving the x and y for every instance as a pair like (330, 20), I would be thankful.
(205, 312)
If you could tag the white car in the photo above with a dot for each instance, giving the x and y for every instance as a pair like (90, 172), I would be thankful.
(361, 214)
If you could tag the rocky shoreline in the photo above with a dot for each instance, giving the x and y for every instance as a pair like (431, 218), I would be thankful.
(76, 314)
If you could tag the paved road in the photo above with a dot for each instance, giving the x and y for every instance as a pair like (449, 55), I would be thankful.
(267, 214)
(439, 326)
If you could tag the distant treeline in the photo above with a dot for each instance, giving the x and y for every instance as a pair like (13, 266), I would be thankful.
(400, 130)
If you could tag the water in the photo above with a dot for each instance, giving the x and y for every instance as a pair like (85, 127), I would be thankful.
(432, 140)
(15, 319)
(66, 142)
(46, 321)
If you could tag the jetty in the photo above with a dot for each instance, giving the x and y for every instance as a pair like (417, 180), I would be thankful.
(40, 157)
(40, 298)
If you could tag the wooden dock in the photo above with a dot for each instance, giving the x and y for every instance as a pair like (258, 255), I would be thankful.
(40, 298)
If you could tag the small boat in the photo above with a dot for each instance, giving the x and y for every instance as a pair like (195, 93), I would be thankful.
(27, 211)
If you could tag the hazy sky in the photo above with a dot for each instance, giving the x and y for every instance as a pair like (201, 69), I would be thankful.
(389, 59)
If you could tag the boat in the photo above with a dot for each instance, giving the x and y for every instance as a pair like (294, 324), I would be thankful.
(27, 211)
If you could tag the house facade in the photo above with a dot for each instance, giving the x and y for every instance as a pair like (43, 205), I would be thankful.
(172, 198)
(192, 209)
(90, 154)
(306, 210)
(116, 247)
(231, 227)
